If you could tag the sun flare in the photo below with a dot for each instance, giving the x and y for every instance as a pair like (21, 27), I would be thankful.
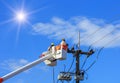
(21, 16)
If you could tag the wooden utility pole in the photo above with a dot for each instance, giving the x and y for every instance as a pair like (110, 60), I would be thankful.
(79, 75)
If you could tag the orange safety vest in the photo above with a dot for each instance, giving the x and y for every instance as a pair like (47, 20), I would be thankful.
(58, 47)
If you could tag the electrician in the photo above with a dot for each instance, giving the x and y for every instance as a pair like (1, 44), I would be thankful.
(52, 48)
(64, 45)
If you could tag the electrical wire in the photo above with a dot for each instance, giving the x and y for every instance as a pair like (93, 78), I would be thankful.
(90, 65)
(102, 38)
(64, 67)
(110, 42)
(95, 60)
(89, 48)
(86, 75)
(94, 32)
(85, 59)
(68, 69)
(101, 50)
(71, 65)
(96, 56)
(88, 36)
(84, 63)
(53, 75)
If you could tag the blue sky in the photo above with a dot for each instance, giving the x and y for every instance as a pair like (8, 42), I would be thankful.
(49, 21)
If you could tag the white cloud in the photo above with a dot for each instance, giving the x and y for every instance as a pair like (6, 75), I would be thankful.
(13, 64)
(92, 30)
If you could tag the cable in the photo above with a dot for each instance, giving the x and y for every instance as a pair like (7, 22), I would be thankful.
(88, 36)
(84, 63)
(71, 65)
(86, 75)
(112, 41)
(64, 67)
(85, 59)
(53, 75)
(95, 60)
(102, 37)
(101, 50)
(90, 65)
(89, 47)
(94, 32)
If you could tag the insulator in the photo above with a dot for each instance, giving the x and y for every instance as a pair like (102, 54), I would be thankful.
(79, 77)
(64, 76)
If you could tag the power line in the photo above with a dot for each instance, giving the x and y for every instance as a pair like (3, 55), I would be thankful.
(93, 62)
(100, 51)
(112, 41)
(53, 75)
(71, 65)
(88, 36)
(94, 32)
(84, 63)
(64, 67)
(77, 51)
(102, 38)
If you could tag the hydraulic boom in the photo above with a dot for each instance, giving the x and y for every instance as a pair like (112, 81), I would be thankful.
(10, 75)
(48, 58)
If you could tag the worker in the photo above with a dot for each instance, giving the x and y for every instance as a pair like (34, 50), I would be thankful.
(50, 47)
(63, 44)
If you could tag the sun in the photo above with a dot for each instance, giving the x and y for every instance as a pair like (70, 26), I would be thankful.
(21, 16)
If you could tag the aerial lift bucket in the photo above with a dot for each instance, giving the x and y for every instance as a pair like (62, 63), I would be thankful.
(59, 55)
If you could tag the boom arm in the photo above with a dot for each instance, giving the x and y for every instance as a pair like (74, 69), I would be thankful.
(10, 75)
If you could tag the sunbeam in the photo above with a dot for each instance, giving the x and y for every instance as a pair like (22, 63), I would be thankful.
(7, 21)
(21, 16)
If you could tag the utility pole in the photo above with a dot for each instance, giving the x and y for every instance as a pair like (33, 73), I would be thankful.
(79, 74)
(77, 65)
(78, 59)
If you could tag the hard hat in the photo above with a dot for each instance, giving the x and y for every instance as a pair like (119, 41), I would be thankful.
(52, 43)
(63, 39)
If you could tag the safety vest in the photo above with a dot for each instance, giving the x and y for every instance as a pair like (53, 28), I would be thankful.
(58, 47)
